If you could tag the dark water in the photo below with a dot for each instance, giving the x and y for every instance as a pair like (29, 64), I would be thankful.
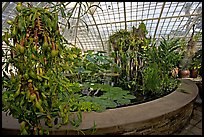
(142, 99)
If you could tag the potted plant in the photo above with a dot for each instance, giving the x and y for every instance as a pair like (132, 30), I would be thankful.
(195, 65)
(188, 54)
(184, 71)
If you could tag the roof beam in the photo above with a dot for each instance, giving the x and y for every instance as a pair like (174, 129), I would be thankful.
(97, 27)
(98, 31)
(193, 22)
(77, 24)
(4, 6)
(159, 19)
(191, 26)
(144, 19)
(125, 16)
(80, 43)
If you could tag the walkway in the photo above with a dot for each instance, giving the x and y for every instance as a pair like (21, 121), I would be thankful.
(194, 127)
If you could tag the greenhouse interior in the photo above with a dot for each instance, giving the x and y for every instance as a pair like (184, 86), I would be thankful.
(102, 68)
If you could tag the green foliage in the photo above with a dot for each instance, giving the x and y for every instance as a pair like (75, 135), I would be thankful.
(127, 49)
(167, 54)
(51, 81)
(189, 51)
(93, 66)
(144, 67)
(197, 61)
(98, 62)
(157, 82)
(38, 89)
(111, 96)
(142, 26)
(159, 62)
(152, 81)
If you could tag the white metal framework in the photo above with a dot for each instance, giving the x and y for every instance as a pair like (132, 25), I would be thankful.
(161, 19)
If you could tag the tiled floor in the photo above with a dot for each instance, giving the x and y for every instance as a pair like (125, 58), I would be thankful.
(194, 127)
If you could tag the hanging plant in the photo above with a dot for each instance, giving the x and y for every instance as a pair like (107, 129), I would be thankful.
(36, 87)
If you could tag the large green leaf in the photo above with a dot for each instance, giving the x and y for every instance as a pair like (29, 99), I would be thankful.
(34, 17)
(123, 101)
(129, 96)
(142, 26)
(62, 12)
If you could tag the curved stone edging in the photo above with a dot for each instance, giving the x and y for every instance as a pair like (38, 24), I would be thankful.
(161, 116)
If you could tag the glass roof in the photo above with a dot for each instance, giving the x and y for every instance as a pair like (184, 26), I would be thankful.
(91, 32)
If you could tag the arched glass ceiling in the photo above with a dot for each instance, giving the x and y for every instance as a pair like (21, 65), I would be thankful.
(161, 19)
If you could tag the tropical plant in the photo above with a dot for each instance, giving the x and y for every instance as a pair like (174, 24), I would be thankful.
(106, 96)
(37, 87)
(156, 78)
(168, 54)
(136, 58)
(92, 67)
(151, 80)
(196, 64)
(189, 52)
(126, 47)
(196, 60)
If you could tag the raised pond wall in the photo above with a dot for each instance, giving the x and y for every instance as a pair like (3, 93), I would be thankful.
(162, 116)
